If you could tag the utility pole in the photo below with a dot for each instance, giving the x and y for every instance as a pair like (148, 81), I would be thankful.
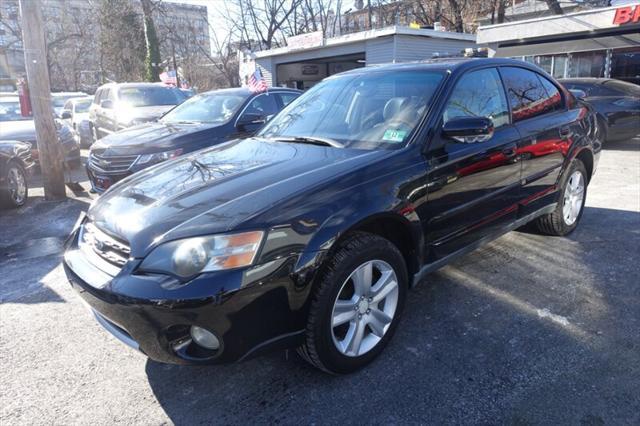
(35, 58)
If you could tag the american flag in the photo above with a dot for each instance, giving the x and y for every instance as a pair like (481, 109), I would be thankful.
(257, 83)
(169, 77)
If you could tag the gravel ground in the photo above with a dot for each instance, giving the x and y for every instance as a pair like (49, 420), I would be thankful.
(527, 330)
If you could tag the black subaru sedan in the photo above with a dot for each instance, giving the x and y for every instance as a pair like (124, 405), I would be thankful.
(310, 234)
(204, 120)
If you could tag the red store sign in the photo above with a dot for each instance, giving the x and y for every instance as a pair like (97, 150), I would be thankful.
(626, 15)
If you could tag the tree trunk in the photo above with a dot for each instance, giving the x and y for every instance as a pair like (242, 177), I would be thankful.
(152, 59)
(554, 7)
(457, 15)
(502, 5)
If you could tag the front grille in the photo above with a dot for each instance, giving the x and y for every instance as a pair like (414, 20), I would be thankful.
(94, 242)
(115, 164)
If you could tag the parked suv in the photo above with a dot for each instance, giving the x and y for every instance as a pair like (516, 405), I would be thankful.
(311, 233)
(204, 120)
(117, 106)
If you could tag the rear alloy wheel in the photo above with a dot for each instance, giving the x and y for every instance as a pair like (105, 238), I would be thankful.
(17, 190)
(356, 304)
(568, 212)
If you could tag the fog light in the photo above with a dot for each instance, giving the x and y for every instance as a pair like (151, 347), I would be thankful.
(204, 338)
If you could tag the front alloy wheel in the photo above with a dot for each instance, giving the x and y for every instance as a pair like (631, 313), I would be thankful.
(17, 190)
(356, 304)
(364, 308)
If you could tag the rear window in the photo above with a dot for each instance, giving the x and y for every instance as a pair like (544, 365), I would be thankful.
(150, 96)
(623, 88)
(527, 95)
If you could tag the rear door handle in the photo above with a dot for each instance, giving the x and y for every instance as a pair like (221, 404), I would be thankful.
(510, 151)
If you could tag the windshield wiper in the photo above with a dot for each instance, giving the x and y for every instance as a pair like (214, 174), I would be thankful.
(310, 140)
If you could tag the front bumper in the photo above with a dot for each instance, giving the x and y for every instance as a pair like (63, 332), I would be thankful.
(100, 182)
(250, 310)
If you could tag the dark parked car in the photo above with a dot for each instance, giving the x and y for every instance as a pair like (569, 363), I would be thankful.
(310, 233)
(14, 126)
(203, 120)
(117, 106)
(616, 102)
(15, 167)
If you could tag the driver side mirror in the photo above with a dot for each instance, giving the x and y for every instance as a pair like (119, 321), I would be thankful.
(250, 122)
(66, 114)
(106, 104)
(469, 129)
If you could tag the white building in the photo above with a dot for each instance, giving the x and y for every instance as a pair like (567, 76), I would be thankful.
(309, 58)
(592, 43)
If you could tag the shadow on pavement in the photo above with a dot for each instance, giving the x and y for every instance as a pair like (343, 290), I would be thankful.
(526, 330)
(31, 247)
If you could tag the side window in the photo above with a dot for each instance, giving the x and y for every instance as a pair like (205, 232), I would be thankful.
(527, 95)
(263, 105)
(96, 98)
(68, 106)
(479, 94)
(554, 98)
(286, 98)
(110, 95)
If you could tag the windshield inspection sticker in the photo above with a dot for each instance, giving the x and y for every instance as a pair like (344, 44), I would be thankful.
(392, 135)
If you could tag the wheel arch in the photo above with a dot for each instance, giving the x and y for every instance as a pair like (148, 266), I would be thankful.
(405, 234)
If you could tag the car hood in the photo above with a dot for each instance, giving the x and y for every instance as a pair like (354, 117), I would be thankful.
(79, 117)
(21, 130)
(146, 138)
(217, 189)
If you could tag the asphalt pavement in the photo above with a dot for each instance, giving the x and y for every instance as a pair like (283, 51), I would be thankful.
(528, 330)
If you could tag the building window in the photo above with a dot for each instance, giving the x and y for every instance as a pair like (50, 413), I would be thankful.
(544, 62)
(587, 64)
(560, 66)
(625, 64)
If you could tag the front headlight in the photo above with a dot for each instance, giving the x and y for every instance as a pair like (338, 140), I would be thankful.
(158, 156)
(192, 256)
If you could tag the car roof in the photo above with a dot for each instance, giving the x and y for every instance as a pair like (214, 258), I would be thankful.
(244, 91)
(442, 64)
(79, 94)
(138, 84)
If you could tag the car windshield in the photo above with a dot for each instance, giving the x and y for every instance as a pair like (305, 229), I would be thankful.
(206, 108)
(82, 106)
(10, 111)
(150, 96)
(623, 87)
(373, 110)
(59, 101)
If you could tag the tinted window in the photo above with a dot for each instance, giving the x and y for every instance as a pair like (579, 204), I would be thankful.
(623, 88)
(263, 105)
(526, 94)
(369, 110)
(149, 96)
(287, 98)
(553, 94)
(479, 94)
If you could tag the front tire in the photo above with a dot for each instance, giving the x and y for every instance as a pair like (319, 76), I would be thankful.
(568, 212)
(17, 191)
(356, 304)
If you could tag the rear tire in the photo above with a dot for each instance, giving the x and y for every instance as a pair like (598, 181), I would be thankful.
(356, 304)
(573, 194)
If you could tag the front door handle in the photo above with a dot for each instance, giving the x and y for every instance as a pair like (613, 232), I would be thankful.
(565, 132)
(510, 152)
